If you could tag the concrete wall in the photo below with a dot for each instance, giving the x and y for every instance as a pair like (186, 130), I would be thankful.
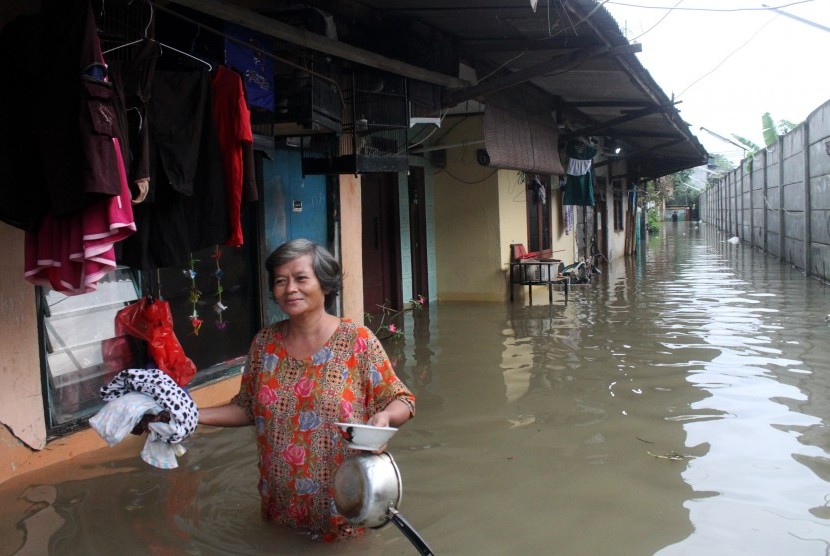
(513, 214)
(563, 244)
(479, 211)
(779, 201)
(22, 422)
(467, 235)
(616, 238)
(351, 245)
(21, 401)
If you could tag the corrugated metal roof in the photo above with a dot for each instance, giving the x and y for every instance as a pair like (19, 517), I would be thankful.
(599, 95)
(566, 56)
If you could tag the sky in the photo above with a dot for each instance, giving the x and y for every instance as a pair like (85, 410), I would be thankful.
(729, 61)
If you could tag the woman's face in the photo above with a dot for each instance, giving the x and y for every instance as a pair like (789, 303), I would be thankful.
(297, 289)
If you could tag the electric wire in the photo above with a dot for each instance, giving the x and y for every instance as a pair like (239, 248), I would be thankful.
(456, 178)
(711, 9)
(659, 21)
(574, 24)
(416, 141)
(567, 15)
(710, 72)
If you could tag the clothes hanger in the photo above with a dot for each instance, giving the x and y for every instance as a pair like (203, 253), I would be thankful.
(183, 53)
(161, 44)
(144, 38)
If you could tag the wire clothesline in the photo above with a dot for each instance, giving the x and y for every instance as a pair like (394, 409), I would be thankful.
(258, 50)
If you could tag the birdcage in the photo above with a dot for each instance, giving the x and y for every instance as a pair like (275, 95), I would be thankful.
(307, 100)
(375, 129)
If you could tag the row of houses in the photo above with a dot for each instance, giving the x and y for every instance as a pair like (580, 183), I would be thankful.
(419, 142)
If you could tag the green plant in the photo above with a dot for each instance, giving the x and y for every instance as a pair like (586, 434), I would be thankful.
(653, 223)
(769, 129)
(386, 329)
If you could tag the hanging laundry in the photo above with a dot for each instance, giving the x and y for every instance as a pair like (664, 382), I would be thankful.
(539, 193)
(186, 208)
(207, 213)
(56, 128)
(133, 80)
(257, 69)
(569, 218)
(71, 254)
(71, 251)
(579, 188)
(233, 123)
(176, 114)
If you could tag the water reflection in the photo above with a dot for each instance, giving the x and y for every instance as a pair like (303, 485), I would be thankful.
(676, 406)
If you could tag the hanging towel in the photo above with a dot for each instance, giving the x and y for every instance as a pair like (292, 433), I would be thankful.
(579, 189)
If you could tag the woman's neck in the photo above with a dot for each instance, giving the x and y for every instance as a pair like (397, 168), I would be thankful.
(304, 335)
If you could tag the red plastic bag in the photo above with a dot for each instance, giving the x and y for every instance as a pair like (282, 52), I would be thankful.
(152, 321)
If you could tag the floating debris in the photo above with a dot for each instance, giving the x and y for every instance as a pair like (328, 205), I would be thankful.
(673, 456)
(522, 421)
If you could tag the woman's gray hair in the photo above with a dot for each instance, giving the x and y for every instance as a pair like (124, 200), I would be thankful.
(326, 267)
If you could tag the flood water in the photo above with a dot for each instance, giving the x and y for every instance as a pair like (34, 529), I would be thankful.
(678, 405)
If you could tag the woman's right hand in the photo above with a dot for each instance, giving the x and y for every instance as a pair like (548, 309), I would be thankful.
(143, 425)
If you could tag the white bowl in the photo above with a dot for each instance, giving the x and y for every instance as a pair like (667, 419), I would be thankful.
(366, 437)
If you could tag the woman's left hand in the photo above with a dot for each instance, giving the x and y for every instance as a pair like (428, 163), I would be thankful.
(393, 415)
(379, 419)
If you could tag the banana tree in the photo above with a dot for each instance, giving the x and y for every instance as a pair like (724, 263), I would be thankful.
(770, 131)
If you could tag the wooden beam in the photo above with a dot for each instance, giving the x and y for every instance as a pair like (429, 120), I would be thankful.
(659, 147)
(644, 134)
(494, 45)
(555, 64)
(319, 43)
(604, 126)
(607, 104)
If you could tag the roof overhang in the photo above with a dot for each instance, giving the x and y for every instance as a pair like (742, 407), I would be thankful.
(571, 56)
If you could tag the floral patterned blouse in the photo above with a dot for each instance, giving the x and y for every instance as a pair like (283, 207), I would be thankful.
(294, 405)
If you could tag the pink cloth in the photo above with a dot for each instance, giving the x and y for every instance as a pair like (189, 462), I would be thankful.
(71, 254)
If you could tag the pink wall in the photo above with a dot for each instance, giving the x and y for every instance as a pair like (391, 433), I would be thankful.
(21, 402)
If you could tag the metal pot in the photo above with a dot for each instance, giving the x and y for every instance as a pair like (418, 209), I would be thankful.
(367, 492)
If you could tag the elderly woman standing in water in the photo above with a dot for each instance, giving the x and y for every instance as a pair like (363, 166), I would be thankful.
(302, 375)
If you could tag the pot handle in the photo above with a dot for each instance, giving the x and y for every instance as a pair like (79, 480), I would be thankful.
(409, 532)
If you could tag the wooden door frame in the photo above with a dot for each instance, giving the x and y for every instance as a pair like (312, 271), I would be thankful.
(418, 226)
(389, 234)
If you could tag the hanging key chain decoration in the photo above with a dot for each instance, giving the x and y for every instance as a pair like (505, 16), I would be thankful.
(219, 307)
(195, 296)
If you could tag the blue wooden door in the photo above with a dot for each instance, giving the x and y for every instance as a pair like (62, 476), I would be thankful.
(293, 206)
